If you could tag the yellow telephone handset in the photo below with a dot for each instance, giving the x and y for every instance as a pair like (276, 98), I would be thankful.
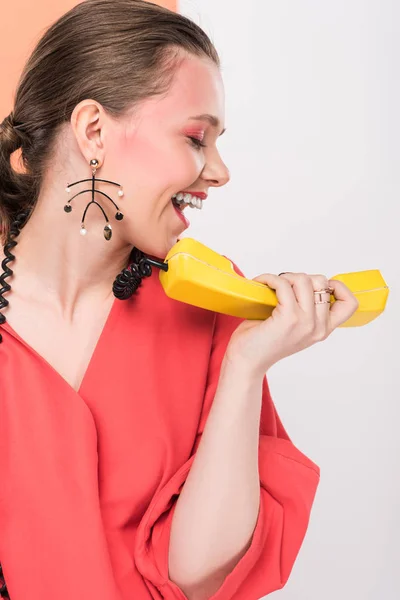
(199, 276)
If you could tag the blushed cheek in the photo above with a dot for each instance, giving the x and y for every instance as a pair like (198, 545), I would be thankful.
(159, 165)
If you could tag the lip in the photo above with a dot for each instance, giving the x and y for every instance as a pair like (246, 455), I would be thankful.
(182, 217)
(201, 195)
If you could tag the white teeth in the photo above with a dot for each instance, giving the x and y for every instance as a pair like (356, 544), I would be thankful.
(188, 199)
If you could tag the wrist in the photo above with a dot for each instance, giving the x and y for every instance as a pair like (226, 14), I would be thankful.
(234, 365)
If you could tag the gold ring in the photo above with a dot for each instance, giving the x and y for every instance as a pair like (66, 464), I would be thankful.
(328, 290)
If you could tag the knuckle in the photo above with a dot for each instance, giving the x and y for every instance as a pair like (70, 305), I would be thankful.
(300, 276)
(283, 281)
(303, 276)
(321, 335)
(321, 281)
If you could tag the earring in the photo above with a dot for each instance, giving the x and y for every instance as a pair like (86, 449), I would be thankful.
(94, 163)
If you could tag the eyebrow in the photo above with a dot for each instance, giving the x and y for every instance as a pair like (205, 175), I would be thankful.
(213, 120)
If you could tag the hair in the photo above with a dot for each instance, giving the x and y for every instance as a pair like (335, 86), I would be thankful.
(117, 52)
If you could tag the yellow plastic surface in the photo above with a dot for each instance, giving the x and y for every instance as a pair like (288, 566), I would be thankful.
(199, 276)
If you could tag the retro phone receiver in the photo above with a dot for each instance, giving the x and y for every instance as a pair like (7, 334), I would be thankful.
(195, 274)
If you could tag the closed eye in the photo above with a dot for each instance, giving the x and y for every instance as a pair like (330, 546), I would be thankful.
(196, 142)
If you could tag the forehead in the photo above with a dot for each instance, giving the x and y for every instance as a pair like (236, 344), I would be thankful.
(196, 88)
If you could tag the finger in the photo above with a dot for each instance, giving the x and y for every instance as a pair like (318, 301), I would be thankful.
(345, 303)
(322, 303)
(303, 290)
(283, 289)
(320, 282)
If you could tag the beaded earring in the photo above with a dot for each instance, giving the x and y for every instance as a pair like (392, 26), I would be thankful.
(94, 163)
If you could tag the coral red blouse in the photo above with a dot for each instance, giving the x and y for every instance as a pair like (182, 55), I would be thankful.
(89, 480)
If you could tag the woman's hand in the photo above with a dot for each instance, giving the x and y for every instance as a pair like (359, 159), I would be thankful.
(295, 324)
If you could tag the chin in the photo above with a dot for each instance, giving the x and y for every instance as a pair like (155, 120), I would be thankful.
(158, 250)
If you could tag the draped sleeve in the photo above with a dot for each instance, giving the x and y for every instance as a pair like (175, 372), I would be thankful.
(288, 484)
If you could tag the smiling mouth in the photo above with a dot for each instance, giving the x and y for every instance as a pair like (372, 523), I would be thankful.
(181, 201)
(180, 207)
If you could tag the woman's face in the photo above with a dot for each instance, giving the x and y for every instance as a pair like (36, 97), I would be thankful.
(153, 156)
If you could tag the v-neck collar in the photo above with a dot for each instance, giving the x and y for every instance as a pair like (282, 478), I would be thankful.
(112, 315)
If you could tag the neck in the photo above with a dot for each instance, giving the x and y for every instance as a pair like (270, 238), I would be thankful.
(55, 264)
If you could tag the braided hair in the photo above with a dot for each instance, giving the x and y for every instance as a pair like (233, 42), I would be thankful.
(132, 46)
(17, 191)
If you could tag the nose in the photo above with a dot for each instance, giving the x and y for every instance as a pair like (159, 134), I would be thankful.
(215, 171)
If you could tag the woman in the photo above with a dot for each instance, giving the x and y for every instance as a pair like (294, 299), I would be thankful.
(141, 454)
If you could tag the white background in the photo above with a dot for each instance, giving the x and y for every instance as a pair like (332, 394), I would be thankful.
(312, 143)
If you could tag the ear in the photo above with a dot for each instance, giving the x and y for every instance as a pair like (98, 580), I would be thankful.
(87, 122)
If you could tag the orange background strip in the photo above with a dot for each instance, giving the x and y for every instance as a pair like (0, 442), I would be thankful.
(21, 25)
